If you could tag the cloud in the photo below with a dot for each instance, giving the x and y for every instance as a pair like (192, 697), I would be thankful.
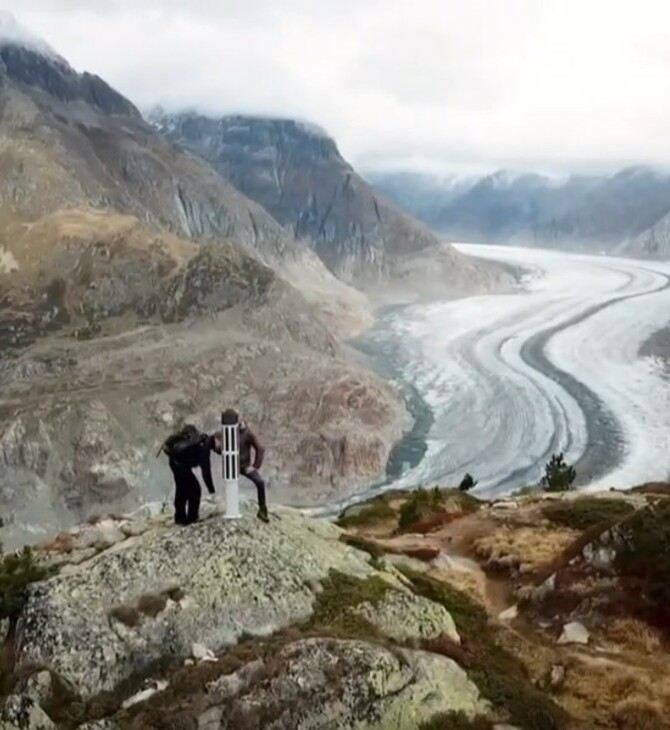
(433, 84)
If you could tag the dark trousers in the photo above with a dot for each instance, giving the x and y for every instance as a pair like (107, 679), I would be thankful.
(253, 476)
(187, 495)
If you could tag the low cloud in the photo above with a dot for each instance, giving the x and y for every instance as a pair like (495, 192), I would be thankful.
(428, 84)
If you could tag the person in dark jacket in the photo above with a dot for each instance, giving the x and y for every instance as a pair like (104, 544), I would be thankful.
(249, 468)
(182, 461)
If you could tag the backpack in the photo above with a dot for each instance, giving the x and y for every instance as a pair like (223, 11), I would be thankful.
(180, 441)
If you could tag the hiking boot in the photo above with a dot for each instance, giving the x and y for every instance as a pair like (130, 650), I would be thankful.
(263, 514)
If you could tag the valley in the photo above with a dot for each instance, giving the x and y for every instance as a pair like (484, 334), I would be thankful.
(563, 364)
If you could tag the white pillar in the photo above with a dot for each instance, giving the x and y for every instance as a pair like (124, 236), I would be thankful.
(230, 460)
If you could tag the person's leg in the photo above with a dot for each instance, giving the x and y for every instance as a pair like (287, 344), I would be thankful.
(180, 495)
(257, 479)
(194, 495)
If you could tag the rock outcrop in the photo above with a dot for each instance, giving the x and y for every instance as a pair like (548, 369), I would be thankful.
(304, 630)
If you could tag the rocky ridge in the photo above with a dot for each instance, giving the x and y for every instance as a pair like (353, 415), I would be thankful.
(296, 172)
(623, 213)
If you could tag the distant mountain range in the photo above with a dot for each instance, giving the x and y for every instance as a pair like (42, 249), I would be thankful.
(627, 212)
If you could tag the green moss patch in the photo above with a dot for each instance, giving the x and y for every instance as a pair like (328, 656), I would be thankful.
(333, 614)
(500, 676)
(587, 512)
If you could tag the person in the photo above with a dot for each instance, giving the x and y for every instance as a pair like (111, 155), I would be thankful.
(250, 469)
(187, 450)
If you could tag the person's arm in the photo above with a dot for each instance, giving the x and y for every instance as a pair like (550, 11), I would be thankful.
(206, 471)
(258, 448)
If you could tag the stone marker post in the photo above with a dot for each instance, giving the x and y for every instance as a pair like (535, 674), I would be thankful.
(230, 460)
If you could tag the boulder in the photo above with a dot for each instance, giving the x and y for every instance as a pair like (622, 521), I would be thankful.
(574, 633)
(402, 616)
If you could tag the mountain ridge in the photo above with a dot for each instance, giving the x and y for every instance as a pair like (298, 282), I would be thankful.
(623, 212)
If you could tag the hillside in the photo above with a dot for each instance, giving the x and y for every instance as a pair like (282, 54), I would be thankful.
(625, 212)
(139, 288)
(420, 612)
(296, 172)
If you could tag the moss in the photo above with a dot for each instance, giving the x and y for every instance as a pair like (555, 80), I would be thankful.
(587, 512)
(500, 676)
(376, 511)
(456, 721)
(341, 593)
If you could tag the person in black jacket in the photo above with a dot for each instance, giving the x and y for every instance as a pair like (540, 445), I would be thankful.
(183, 458)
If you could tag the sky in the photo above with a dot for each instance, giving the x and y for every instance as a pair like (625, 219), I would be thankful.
(426, 85)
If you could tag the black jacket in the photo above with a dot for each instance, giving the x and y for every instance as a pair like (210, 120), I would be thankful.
(198, 455)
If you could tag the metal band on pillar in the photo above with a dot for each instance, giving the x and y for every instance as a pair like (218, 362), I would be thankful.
(230, 460)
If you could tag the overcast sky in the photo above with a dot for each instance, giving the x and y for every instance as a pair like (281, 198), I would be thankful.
(427, 84)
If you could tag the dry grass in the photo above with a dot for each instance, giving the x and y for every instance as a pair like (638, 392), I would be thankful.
(471, 583)
(638, 713)
(525, 548)
(633, 634)
(593, 692)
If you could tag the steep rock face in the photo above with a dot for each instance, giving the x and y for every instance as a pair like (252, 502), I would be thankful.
(296, 172)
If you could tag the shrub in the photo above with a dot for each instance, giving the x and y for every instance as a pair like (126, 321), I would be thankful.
(423, 504)
(558, 476)
(17, 572)
(467, 483)
(586, 512)
(643, 563)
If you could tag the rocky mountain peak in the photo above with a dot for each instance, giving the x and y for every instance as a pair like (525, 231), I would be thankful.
(261, 137)
(30, 62)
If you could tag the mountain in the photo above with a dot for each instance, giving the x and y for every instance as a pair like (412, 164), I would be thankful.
(296, 172)
(619, 212)
(68, 140)
(139, 289)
